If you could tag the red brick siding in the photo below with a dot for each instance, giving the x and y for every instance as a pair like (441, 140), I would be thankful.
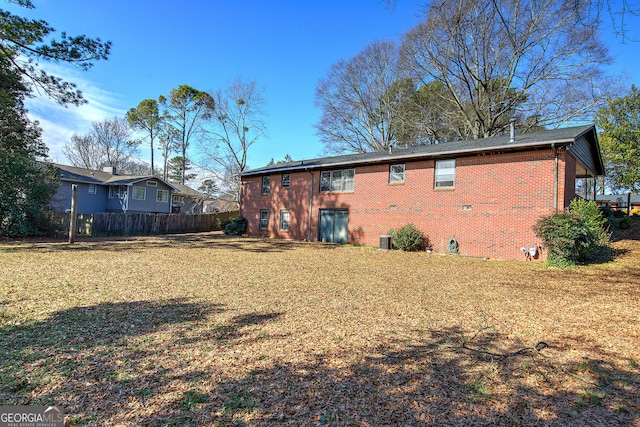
(507, 194)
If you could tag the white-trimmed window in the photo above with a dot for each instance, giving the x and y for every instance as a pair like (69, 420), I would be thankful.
(139, 193)
(286, 180)
(162, 196)
(396, 174)
(284, 220)
(119, 192)
(152, 183)
(337, 181)
(266, 184)
(92, 189)
(178, 199)
(264, 219)
(445, 174)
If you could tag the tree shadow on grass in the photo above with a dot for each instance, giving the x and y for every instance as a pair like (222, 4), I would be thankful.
(53, 344)
(142, 243)
(434, 382)
(450, 376)
(104, 371)
(105, 356)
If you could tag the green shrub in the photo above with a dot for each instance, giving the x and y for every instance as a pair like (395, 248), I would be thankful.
(619, 213)
(607, 211)
(236, 226)
(565, 236)
(222, 223)
(597, 224)
(409, 238)
(575, 235)
(625, 223)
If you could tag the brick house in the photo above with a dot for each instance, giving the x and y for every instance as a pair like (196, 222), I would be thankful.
(483, 196)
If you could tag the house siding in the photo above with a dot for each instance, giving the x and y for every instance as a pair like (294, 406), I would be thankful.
(491, 211)
(104, 181)
(581, 150)
(187, 205)
(87, 203)
(112, 204)
(149, 204)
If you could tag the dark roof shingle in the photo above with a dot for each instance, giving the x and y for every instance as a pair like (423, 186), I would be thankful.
(496, 143)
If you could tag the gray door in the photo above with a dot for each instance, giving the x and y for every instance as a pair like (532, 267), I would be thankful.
(334, 225)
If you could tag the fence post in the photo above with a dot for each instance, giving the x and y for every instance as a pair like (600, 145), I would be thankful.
(74, 211)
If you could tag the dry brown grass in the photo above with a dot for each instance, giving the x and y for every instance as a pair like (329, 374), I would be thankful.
(208, 330)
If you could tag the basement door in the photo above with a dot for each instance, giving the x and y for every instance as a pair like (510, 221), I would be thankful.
(334, 225)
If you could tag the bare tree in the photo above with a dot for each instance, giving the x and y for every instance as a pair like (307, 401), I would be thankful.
(83, 152)
(135, 167)
(619, 14)
(493, 57)
(237, 124)
(422, 114)
(107, 144)
(359, 101)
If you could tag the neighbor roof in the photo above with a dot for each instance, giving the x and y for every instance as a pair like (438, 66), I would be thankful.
(614, 198)
(188, 191)
(72, 173)
(562, 136)
(88, 176)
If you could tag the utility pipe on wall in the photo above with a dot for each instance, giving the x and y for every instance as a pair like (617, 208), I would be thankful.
(310, 205)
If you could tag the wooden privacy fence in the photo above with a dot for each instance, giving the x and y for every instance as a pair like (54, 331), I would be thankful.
(137, 223)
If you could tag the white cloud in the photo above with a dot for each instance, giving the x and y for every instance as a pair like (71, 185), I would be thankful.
(60, 123)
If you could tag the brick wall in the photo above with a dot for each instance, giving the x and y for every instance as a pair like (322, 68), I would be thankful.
(491, 212)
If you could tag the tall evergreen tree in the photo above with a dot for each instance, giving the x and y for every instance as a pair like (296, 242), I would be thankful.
(26, 180)
(177, 170)
(185, 110)
(146, 117)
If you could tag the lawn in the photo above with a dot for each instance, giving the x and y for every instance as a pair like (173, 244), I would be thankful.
(205, 330)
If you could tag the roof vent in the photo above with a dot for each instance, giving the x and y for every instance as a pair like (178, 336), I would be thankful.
(512, 129)
(390, 149)
(109, 169)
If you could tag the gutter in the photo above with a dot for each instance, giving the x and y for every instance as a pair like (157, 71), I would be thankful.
(555, 177)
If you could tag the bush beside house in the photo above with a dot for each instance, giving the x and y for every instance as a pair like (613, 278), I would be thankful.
(575, 235)
(409, 238)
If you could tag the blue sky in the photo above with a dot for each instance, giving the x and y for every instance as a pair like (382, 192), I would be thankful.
(286, 46)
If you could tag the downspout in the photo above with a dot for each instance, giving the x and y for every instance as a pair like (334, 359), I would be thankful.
(240, 198)
(555, 177)
(310, 204)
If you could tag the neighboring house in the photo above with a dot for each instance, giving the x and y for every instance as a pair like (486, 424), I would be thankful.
(619, 201)
(187, 200)
(211, 206)
(483, 196)
(105, 191)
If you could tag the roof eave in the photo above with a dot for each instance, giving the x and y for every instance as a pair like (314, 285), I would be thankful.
(389, 158)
